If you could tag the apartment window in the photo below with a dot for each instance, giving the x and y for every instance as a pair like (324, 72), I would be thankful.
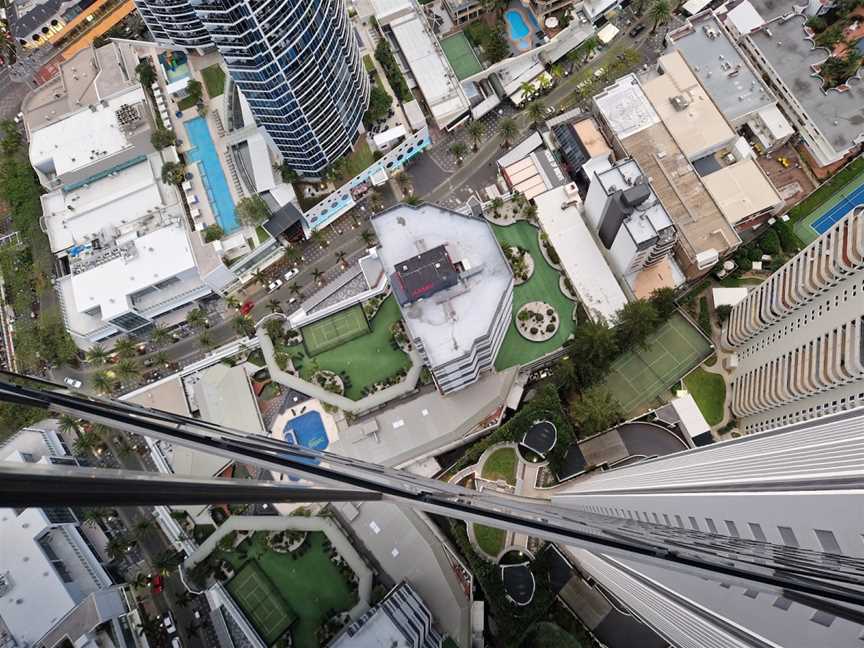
(757, 532)
(782, 603)
(733, 529)
(695, 525)
(679, 522)
(788, 536)
(822, 618)
(828, 541)
(751, 593)
(711, 526)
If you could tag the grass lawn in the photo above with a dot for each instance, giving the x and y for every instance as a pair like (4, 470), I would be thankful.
(368, 64)
(490, 539)
(738, 282)
(310, 584)
(501, 464)
(186, 103)
(367, 359)
(542, 286)
(709, 392)
(356, 161)
(214, 80)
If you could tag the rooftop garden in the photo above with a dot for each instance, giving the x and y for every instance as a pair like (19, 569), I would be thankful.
(709, 392)
(214, 80)
(500, 465)
(841, 31)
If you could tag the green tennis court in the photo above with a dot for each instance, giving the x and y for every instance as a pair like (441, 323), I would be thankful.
(830, 202)
(334, 330)
(641, 375)
(462, 59)
(257, 595)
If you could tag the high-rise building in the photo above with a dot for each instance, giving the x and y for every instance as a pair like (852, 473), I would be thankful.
(297, 63)
(798, 336)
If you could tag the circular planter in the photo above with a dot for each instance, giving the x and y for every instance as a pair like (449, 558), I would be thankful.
(529, 266)
(541, 324)
(330, 378)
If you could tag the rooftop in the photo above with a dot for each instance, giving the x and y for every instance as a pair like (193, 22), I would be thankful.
(686, 109)
(741, 190)
(423, 275)
(838, 114)
(224, 395)
(701, 224)
(454, 318)
(88, 135)
(735, 87)
(560, 214)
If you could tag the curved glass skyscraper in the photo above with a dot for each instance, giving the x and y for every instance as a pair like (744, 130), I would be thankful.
(298, 64)
(174, 22)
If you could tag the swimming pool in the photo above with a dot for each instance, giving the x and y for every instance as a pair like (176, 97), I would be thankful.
(518, 29)
(307, 430)
(204, 152)
(174, 65)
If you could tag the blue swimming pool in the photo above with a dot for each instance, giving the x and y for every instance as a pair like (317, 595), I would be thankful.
(204, 152)
(518, 29)
(307, 430)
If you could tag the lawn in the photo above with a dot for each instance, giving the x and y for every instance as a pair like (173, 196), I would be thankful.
(542, 286)
(501, 464)
(738, 282)
(355, 162)
(367, 359)
(186, 103)
(490, 539)
(709, 392)
(310, 584)
(368, 64)
(214, 80)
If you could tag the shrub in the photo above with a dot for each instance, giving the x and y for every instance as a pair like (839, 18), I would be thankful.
(754, 253)
(770, 242)
(704, 316)
(788, 239)
(213, 233)
(533, 330)
(550, 328)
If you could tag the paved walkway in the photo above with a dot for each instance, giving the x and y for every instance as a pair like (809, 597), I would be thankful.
(295, 523)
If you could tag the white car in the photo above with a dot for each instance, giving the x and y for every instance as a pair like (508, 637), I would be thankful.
(274, 285)
(75, 384)
(168, 622)
(291, 273)
(176, 643)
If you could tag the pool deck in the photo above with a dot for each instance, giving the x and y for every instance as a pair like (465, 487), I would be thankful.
(277, 430)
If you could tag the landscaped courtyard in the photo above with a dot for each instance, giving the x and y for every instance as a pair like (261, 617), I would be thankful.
(500, 465)
(542, 286)
(490, 539)
(307, 581)
(365, 360)
(709, 392)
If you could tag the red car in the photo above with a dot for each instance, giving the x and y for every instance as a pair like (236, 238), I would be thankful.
(157, 584)
(247, 307)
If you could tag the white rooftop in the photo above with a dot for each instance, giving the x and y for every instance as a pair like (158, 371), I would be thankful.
(626, 108)
(451, 320)
(728, 296)
(690, 416)
(438, 83)
(156, 256)
(71, 217)
(744, 18)
(560, 216)
(83, 137)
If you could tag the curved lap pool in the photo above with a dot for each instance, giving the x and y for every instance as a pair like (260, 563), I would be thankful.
(516, 24)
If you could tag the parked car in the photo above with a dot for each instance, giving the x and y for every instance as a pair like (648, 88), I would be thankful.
(638, 29)
(75, 384)
(168, 622)
(291, 273)
(176, 643)
(157, 584)
(274, 285)
(246, 307)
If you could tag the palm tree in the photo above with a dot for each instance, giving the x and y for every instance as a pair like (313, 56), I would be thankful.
(660, 13)
(368, 236)
(166, 562)
(142, 526)
(530, 212)
(159, 335)
(69, 424)
(413, 200)
(93, 516)
(545, 82)
(508, 129)
(128, 370)
(527, 89)
(119, 546)
(102, 383)
(340, 257)
(295, 290)
(275, 328)
(557, 71)
(125, 347)
(536, 111)
(404, 182)
(274, 306)
(585, 49)
(206, 341)
(97, 355)
(497, 204)
(375, 201)
(259, 276)
(475, 132)
(232, 302)
(316, 275)
(87, 442)
(243, 325)
(195, 318)
(291, 255)
(457, 150)
(318, 238)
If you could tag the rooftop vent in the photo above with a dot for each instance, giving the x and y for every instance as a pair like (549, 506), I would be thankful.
(679, 102)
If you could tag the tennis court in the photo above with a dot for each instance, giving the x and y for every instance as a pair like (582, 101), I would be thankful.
(262, 602)
(334, 330)
(641, 375)
(833, 210)
(462, 59)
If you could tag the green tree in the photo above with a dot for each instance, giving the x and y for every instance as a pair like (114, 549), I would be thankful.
(252, 210)
(173, 173)
(723, 312)
(166, 562)
(475, 132)
(413, 200)
(497, 46)
(536, 111)
(636, 321)
(379, 105)
(10, 135)
(368, 236)
(205, 341)
(593, 349)
(497, 204)
(146, 73)
(527, 89)
(102, 383)
(195, 91)
(243, 325)
(87, 442)
(274, 306)
(274, 328)
(659, 12)
(196, 318)
(128, 370)
(159, 335)
(594, 411)
(163, 138)
(295, 290)
(317, 275)
(97, 355)
(585, 49)
(557, 71)
(213, 232)
(125, 347)
(119, 546)
(69, 424)
(231, 301)
(663, 300)
(457, 150)
(161, 359)
(508, 129)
